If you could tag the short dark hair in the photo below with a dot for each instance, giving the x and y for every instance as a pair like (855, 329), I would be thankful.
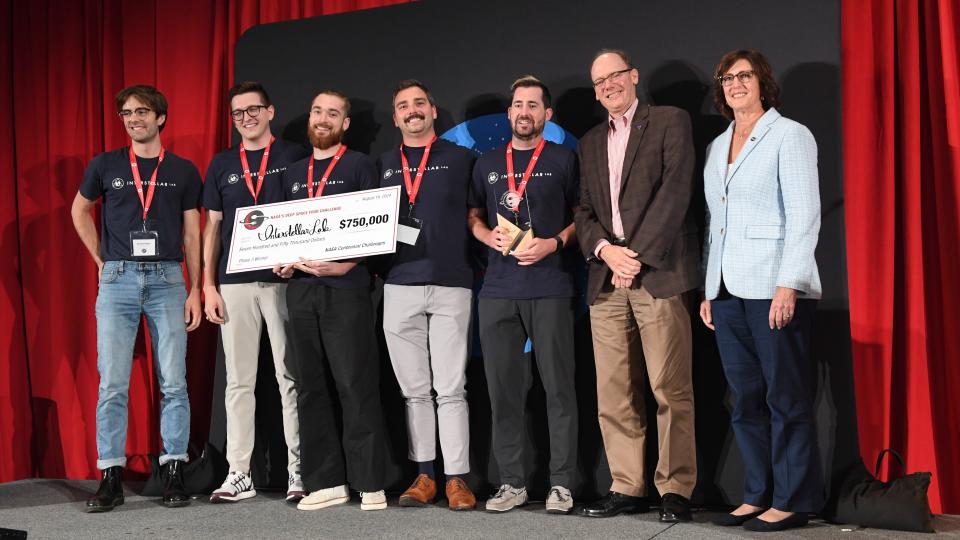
(248, 87)
(769, 90)
(412, 83)
(529, 81)
(335, 93)
(148, 95)
(619, 52)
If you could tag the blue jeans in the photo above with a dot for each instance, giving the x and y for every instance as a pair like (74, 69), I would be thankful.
(157, 290)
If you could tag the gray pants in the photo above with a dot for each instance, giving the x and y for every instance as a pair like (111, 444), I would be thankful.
(427, 332)
(247, 305)
(505, 326)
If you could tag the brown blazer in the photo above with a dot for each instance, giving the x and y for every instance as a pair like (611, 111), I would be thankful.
(654, 202)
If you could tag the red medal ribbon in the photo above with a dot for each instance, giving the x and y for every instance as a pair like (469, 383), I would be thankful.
(145, 202)
(511, 182)
(326, 173)
(414, 187)
(260, 174)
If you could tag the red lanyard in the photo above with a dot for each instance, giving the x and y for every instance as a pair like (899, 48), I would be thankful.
(526, 175)
(414, 187)
(260, 174)
(139, 183)
(326, 173)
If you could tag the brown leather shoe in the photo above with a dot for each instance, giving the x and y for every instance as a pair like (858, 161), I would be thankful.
(459, 496)
(420, 493)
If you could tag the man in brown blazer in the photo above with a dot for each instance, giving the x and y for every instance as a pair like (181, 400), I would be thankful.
(633, 224)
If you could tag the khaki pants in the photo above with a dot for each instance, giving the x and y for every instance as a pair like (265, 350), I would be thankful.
(624, 321)
(247, 305)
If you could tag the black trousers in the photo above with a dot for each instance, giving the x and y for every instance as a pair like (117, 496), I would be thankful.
(505, 326)
(334, 354)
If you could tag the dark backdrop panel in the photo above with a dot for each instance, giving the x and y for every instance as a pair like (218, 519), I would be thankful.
(470, 52)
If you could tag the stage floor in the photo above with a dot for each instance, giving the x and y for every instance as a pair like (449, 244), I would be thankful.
(54, 509)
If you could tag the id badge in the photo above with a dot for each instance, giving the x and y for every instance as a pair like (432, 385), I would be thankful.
(408, 230)
(144, 243)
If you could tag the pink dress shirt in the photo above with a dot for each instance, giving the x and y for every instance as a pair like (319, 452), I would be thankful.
(617, 137)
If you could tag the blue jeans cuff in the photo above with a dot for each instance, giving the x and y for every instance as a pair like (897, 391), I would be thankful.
(112, 462)
(170, 457)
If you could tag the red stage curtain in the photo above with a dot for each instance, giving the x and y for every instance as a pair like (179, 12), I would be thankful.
(901, 126)
(16, 428)
(62, 63)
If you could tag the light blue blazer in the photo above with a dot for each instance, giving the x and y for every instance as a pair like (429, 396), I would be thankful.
(763, 217)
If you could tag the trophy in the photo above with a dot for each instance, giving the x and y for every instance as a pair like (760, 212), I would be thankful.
(519, 238)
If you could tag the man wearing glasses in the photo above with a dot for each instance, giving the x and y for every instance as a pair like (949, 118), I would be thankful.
(633, 223)
(150, 223)
(246, 175)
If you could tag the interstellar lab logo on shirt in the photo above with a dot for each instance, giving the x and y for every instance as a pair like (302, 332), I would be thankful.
(387, 173)
(294, 188)
(493, 177)
(233, 179)
(117, 183)
(253, 219)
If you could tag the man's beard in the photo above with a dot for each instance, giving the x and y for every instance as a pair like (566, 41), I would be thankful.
(535, 130)
(324, 141)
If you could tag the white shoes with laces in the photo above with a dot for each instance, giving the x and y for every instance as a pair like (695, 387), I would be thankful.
(236, 487)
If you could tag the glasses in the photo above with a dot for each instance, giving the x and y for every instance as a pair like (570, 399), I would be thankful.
(744, 77)
(611, 77)
(252, 111)
(139, 112)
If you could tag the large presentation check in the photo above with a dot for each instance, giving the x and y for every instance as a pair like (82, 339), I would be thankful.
(335, 227)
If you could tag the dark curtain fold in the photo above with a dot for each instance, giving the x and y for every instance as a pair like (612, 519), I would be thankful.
(901, 124)
(62, 63)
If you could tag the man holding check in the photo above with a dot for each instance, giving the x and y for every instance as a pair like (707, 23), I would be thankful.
(332, 339)
(246, 175)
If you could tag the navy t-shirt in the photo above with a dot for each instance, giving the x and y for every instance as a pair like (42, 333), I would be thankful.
(551, 193)
(225, 190)
(354, 172)
(177, 190)
(440, 255)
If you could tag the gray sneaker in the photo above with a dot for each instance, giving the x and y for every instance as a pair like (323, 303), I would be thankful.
(507, 498)
(559, 500)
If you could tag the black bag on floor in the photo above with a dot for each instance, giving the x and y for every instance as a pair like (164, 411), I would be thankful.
(200, 476)
(900, 504)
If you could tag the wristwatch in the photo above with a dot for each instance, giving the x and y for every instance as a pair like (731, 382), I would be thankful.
(559, 243)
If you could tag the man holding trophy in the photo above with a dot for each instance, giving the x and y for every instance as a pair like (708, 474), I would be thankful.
(521, 207)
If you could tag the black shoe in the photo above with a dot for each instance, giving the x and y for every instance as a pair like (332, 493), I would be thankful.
(730, 520)
(174, 494)
(758, 525)
(110, 492)
(675, 508)
(616, 503)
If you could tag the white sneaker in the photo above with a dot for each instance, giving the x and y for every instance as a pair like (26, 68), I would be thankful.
(324, 498)
(376, 500)
(236, 487)
(559, 500)
(295, 491)
(507, 498)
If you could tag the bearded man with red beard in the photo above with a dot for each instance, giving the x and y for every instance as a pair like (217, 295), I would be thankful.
(332, 339)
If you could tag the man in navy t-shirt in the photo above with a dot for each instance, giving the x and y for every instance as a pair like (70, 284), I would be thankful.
(332, 340)
(529, 189)
(246, 175)
(427, 294)
(149, 219)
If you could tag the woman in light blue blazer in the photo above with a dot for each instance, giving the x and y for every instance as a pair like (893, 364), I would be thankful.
(763, 219)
